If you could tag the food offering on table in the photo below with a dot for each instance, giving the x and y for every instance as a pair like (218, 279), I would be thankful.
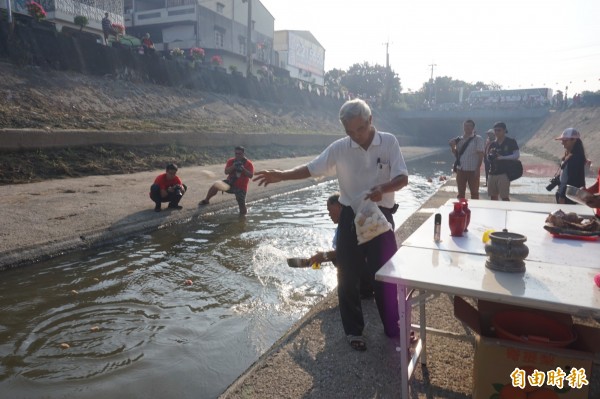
(571, 224)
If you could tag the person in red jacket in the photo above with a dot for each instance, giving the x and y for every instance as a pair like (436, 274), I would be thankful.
(167, 187)
(239, 171)
(594, 202)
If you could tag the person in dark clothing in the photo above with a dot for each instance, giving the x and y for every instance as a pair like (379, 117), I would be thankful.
(335, 210)
(504, 149)
(490, 137)
(107, 28)
(167, 187)
(572, 165)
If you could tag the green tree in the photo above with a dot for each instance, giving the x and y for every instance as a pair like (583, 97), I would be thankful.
(333, 79)
(376, 81)
(81, 21)
(445, 89)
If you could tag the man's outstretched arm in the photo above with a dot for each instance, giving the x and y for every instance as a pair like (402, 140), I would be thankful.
(266, 177)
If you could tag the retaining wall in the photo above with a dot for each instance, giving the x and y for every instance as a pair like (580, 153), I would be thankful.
(13, 139)
(32, 43)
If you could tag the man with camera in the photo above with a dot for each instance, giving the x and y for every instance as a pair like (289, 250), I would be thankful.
(167, 187)
(468, 151)
(501, 151)
(239, 171)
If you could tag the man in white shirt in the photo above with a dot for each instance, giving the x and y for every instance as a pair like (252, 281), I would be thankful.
(468, 150)
(368, 165)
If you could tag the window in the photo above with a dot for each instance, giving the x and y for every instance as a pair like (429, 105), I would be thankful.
(242, 42)
(220, 8)
(219, 36)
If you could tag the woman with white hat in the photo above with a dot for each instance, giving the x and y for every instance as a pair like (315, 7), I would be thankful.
(572, 166)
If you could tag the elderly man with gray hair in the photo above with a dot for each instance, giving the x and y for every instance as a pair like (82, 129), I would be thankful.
(369, 166)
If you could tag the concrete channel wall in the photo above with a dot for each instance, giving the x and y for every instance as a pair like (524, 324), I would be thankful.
(16, 139)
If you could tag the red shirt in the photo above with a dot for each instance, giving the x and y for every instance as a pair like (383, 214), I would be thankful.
(147, 43)
(165, 183)
(241, 181)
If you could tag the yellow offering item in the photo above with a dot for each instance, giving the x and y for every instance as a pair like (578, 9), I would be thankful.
(486, 236)
(316, 266)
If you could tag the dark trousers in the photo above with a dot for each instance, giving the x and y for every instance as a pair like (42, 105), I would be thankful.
(172, 198)
(353, 260)
(486, 164)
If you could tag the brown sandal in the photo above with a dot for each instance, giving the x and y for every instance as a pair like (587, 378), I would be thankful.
(357, 342)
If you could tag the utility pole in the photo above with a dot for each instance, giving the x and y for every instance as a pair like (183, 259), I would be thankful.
(388, 74)
(432, 65)
(432, 91)
(9, 11)
(387, 54)
(249, 48)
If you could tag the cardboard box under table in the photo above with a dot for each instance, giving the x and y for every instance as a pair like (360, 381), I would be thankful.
(496, 359)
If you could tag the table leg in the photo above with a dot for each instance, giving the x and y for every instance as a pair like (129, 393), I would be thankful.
(423, 329)
(404, 325)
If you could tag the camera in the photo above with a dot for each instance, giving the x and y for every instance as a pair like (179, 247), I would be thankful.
(177, 190)
(238, 165)
(493, 154)
(555, 181)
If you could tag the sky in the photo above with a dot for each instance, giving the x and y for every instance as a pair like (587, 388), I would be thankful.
(514, 43)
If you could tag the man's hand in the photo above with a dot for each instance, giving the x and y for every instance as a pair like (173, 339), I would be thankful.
(319, 257)
(375, 195)
(266, 177)
(593, 202)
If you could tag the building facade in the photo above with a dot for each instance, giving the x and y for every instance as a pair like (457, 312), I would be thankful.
(302, 55)
(62, 12)
(220, 27)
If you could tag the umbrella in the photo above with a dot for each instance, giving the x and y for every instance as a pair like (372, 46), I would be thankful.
(130, 41)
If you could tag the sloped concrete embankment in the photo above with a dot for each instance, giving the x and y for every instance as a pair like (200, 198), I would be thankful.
(585, 120)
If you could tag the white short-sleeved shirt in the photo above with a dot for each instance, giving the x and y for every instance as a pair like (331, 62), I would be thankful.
(470, 157)
(358, 170)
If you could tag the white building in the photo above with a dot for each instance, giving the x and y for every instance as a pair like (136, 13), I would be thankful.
(62, 12)
(301, 54)
(220, 27)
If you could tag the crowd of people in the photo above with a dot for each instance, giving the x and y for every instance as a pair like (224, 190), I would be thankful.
(370, 168)
(500, 152)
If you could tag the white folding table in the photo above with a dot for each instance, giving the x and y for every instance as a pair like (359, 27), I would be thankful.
(559, 272)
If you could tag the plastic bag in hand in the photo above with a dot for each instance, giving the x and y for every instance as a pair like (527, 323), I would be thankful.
(369, 221)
